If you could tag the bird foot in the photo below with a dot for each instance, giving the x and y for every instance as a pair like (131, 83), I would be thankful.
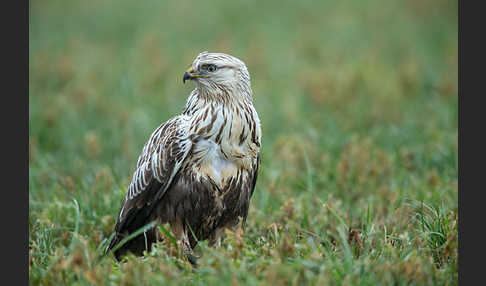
(192, 259)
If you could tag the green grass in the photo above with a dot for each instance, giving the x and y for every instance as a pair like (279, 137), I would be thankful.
(358, 103)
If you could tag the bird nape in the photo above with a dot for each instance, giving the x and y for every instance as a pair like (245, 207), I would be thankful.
(197, 172)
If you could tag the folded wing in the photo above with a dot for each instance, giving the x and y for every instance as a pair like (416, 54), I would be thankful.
(160, 160)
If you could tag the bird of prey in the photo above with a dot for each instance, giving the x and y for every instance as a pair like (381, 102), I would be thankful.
(197, 172)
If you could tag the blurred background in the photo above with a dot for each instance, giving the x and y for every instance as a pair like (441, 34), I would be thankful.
(357, 99)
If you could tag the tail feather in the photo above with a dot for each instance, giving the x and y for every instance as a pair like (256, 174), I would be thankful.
(137, 214)
(137, 245)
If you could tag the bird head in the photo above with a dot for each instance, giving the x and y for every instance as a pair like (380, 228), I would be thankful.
(214, 72)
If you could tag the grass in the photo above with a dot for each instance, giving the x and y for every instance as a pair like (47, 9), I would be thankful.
(358, 103)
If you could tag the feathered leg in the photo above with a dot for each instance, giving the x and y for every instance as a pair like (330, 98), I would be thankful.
(181, 234)
(216, 237)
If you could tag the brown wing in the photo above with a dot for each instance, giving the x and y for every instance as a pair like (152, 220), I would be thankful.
(160, 160)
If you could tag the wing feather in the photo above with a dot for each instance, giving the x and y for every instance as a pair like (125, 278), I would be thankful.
(160, 160)
(255, 175)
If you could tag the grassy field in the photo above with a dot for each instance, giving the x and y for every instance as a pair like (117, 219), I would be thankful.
(359, 110)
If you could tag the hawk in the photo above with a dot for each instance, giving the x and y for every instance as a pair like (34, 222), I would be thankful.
(197, 172)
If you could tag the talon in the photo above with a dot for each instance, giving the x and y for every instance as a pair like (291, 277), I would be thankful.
(192, 259)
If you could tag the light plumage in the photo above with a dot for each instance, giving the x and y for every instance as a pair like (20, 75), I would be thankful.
(198, 170)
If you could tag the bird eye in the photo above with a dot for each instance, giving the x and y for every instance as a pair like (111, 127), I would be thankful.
(211, 68)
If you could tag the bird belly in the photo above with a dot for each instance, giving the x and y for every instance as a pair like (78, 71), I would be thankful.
(215, 166)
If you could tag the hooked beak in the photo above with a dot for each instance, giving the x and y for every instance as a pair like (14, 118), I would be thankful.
(191, 74)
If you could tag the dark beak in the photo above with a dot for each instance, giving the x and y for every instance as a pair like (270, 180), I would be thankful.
(187, 76)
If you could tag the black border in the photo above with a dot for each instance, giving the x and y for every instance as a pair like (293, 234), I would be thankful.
(471, 76)
(14, 212)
